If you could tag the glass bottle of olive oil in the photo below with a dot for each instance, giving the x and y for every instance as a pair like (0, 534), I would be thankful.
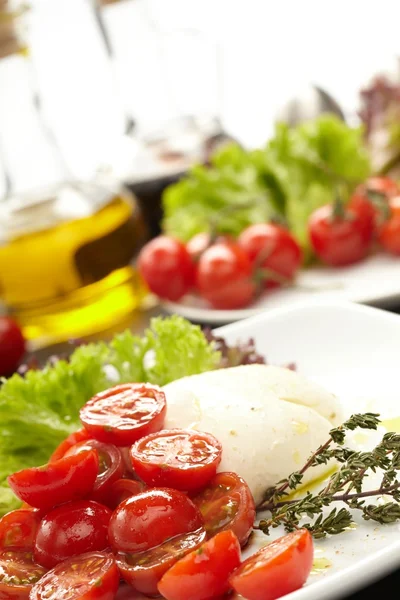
(66, 247)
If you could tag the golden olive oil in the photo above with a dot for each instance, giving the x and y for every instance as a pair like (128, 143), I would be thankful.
(66, 263)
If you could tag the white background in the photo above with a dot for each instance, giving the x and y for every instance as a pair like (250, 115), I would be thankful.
(239, 58)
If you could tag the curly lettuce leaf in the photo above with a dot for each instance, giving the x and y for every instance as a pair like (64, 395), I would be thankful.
(39, 410)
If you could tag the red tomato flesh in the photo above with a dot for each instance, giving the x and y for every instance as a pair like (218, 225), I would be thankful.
(272, 248)
(125, 413)
(92, 576)
(71, 529)
(276, 570)
(111, 466)
(18, 529)
(143, 570)
(18, 573)
(183, 459)
(166, 266)
(227, 504)
(204, 573)
(148, 519)
(64, 480)
(74, 438)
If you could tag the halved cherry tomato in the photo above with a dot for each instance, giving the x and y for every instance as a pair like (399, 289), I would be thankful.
(272, 248)
(66, 479)
(165, 265)
(183, 459)
(71, 529)
(148, 519)
(203, 573)
(143, 570)
(121, 490)
(91, 576)
(18, 529)
(225, 276)
(227, 503)
(276, 570)
(389, 232)
(125, 413)
(111, 466)
(18, 573)
(129, 471)
(339, 241)
(74, 438)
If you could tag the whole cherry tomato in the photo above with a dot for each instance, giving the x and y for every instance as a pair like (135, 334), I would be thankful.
(277, 569)
(339, 240)
(166, 266)
(71, 529)
(227, 503)
(91, 576)
(12, 345)
(225, 276)
(183, 459)
(197, 245)
(274, 249)
(369, 209)
(68, 478)
(123, 414)
(389, 231)
(203, 573)
(121, 490)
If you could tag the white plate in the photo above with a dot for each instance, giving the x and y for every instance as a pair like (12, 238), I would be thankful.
(354, 351)
(374, 281)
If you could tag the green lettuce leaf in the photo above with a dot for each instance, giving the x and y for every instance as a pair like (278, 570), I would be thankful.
(39, 410)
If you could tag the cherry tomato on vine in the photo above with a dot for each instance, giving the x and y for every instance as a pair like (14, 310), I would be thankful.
(225, 276)
(183, 459)
(68, 478)
(227, 503)
(124, 413)
(73, 438)
(91, 576)
(389, 231)
(71, 529)
(111, 466)
(19, 573)
(274, 249)
(203, 573)
(339, 240)
(148, 519)
(12, 345)
(18, 529)
(277, 569)
(166, 266)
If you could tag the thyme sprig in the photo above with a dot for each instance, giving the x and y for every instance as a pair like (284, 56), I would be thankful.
(345, 485)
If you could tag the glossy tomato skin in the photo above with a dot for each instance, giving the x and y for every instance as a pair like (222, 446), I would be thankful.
(61, 481)
(111, 466)
(144, 570)
(166, 266)
(121, 490)
(74, 438)
(12, 345)
(273, 248)
(71, 529)
(124, 413)
(277, 569)
(18, 529)
(19, 573)
(225, 276)
(91, 576)
(148, 519)
(339, 241)
(183, 459)
(203, 573)
(389, 232)
(227, 503)
(197, 245)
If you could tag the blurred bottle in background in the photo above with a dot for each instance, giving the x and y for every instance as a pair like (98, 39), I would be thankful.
(66, 245)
